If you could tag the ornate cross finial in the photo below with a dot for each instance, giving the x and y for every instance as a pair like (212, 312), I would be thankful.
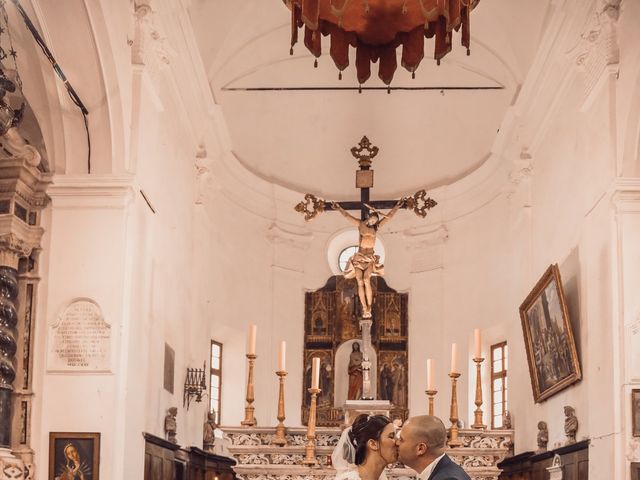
(365, 152)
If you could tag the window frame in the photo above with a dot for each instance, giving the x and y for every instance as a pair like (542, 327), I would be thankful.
(355, 247)
(500, 375)
(217, 372)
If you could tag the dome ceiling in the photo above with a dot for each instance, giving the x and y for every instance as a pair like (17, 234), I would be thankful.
(293, 124)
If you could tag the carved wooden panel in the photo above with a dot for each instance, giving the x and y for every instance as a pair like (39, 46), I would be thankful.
(331, 318)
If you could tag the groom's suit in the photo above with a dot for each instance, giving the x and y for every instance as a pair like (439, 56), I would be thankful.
(447, 469)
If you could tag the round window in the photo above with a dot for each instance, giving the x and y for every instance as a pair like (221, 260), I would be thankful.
(345, 255)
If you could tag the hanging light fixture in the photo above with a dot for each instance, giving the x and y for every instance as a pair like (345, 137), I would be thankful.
(376, 28)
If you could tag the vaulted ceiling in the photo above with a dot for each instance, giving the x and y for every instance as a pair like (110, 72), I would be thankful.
(294, 124)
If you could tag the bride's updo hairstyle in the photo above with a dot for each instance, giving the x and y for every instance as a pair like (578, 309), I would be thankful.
(364, 428)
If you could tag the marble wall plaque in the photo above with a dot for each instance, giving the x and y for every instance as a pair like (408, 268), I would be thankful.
(80, 340)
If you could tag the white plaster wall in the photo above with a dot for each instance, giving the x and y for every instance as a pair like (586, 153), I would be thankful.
(190, 273)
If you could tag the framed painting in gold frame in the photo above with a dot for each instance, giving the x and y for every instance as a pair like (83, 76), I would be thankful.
(548, 337)
(74, 455)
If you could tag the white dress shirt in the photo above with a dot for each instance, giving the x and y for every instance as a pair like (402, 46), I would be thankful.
(426, 473)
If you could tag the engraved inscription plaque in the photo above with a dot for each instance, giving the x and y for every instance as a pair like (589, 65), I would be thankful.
(80, 340)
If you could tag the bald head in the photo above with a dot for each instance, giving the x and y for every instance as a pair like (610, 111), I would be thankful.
(430, 431)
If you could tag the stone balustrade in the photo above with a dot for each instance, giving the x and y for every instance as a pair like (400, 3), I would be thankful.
(259, 459)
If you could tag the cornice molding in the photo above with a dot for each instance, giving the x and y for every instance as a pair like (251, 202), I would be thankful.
(625, 195)
(92, 191)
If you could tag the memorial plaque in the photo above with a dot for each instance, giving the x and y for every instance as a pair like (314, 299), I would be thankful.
(80, 340)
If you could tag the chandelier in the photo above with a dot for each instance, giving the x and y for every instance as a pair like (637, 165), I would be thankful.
(376, 28)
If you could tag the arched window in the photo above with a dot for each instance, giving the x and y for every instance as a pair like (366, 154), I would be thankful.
(345, 255)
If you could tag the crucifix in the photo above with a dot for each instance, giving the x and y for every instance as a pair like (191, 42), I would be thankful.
(365, 263)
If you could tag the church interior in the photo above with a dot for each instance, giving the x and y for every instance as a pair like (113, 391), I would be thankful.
(228, 226)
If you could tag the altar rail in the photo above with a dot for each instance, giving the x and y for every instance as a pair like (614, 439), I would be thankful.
(259, 459)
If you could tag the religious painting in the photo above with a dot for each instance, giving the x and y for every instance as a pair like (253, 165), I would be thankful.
(548, 336)
(325, 397)
(635, 470)
(74, 456)
(393, 379)
(635, 412)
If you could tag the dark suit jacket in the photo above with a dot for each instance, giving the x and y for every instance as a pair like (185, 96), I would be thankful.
(447, 469)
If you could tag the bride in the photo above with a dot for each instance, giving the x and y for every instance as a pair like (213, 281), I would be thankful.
(365, 449)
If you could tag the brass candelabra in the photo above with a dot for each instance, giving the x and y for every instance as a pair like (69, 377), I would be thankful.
(478, 411)
(280, 430)
(453, 416)
(249, 419)
(431, 394)
(310, 448)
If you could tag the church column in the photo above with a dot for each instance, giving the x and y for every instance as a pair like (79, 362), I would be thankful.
(626, 324)
(22, 199)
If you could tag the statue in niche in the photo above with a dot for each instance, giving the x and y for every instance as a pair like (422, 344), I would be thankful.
(543, 437)
(355, 373)
(365, 262)
(171, 425)
(399, 382)
(208, 433)
(570, 424)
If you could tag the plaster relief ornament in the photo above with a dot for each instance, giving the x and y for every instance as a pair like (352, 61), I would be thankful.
(171, 425)
(543, 437)
(570, 424)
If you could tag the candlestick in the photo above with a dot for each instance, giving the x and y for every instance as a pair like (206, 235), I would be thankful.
(280, 439)
(453, 436)
(478, 342)
(249, 419)
(478, 411)
(315, 372)
(431, 393)
(454, 357)
(310, 448)
(429, 374)
(251, 340)
(282, 353)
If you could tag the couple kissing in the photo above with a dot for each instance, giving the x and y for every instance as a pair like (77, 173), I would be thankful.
(373, 442)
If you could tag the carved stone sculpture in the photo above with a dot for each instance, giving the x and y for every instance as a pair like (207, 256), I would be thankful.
(506, 420)
(570, 424)
(170, 424)
(543, 437)
(208, 432)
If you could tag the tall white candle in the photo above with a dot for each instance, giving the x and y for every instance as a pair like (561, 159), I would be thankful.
(315, 372)
(282, 353)
(478, 341)
(454, 358)
(430, 374)
(251, 340)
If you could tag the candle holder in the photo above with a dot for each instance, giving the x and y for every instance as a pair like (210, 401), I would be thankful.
(310, 448)
(280, 430)
(431, 394)
(478, 411)
(249, 419)
(453, 416)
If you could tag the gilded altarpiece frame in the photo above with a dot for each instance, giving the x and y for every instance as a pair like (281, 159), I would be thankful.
(331, 318)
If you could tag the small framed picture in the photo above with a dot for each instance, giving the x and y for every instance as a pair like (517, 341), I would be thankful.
(74, 456)
(635, 471)
(635, 412)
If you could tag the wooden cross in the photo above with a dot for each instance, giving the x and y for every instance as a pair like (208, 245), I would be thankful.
(364, 153)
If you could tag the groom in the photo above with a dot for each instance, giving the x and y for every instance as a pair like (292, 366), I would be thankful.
(421, 445)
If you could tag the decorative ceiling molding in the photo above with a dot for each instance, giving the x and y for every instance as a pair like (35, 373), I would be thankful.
(597, 54)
